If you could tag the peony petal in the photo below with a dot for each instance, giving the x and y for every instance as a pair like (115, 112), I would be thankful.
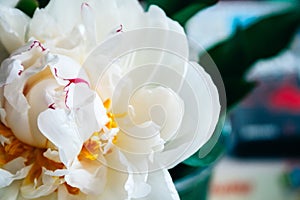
(47, 186)
(52, 155)
(86, 102)
(136, 186)
(10, 70)
(138, 49)
(43, 26)
(209, 105)
(3, 52)
(6, 178)
(37, 97)
(11, 192)
(113, 16)
(57, 10)
(65, 69)
(4, 140)
(11, 3)
(16, 105)
(89, 22)
(160, 105)
(57, 125)
(162, 186)
(15, 165)
(137, 169)
(200, 120)
(89, 177)
(13, 25)
(58, 172)
(114, 188)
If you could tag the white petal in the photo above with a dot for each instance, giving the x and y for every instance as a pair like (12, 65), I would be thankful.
(160, 105)
(114, 188)
(17, 107)
(11, 192)
(9, 71)
(85, 102)
(162, 186)
(57, 126)
(57, 10)
(3, 52)
(199, 121)
(47, 186)
(89, 177)
(144, 48)
(58, 172)
(11, 3)
(137, 169)
(38, 101)
(89, 21)
(13, 25)
(66, 68)
(15, 165)
(43, 26)
(136, 186)
(6, 178)
(52, 155)
(4, 140)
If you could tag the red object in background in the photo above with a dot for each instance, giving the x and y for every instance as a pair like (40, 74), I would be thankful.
(286, 98)
(266, 122)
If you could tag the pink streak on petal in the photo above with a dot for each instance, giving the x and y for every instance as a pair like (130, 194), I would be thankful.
(71, 80)
(37, 44)
(66, 99)
(85, 4)
(55, 72)
(120, 29)
(51, 106)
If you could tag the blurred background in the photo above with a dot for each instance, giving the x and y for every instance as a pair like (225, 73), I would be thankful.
(260, 42)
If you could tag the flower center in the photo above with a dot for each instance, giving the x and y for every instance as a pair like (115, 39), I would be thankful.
(102, 141)
(99, 143)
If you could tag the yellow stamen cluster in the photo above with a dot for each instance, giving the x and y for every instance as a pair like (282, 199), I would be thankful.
(14, 148)
(90, 150)
(111, 118)
(34, 156)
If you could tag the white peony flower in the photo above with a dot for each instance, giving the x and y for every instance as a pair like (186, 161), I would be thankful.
(97, 101)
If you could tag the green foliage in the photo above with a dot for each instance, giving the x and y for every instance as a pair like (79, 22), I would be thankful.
(28, 6)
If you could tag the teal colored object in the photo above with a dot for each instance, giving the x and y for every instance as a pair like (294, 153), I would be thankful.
(194, 186)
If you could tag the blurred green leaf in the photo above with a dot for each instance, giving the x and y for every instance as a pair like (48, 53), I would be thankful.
(263, 39)
(43, 3)
(179, 9)
(27, 6)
